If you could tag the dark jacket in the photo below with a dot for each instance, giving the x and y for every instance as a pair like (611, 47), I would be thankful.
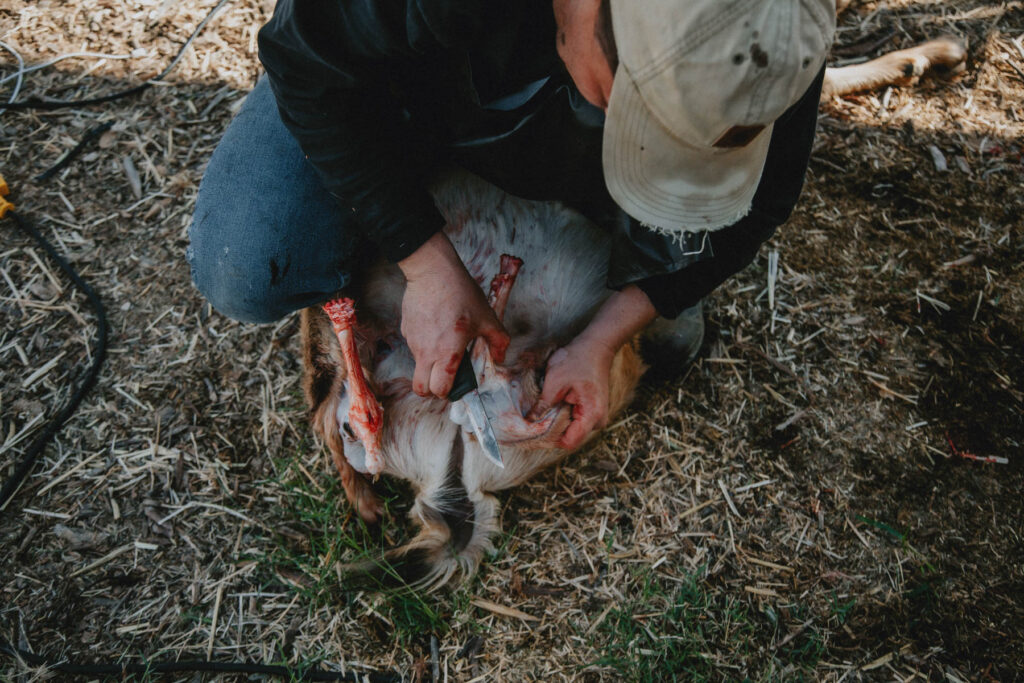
(382, 94)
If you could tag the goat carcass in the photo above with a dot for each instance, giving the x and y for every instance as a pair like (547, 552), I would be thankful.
(427, 441)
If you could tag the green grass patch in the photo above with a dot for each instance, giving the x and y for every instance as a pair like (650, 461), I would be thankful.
(670, 631)
(882, 526)
(904, 539)
(840, 609)
(333, 534)
(666, 631)
(803, 652)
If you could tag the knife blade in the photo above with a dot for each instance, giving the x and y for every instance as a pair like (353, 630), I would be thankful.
(465, 389)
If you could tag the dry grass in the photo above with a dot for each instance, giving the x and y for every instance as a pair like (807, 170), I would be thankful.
(793, 507)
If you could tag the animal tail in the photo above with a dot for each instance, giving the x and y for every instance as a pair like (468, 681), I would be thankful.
(454, 537)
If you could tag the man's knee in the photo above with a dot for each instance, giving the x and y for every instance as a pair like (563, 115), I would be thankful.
(229, 275)
(258, 268)
(266, 238)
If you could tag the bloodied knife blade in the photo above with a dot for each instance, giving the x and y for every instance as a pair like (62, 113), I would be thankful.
(465, 389)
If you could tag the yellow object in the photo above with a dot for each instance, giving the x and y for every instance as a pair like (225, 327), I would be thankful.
(5, 205)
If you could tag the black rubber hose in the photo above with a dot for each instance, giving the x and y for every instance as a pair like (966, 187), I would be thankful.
(50, 105)
(288, 673)
(90, 135)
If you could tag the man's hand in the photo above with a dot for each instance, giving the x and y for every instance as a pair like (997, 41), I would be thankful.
(579, 373)
(443, 310)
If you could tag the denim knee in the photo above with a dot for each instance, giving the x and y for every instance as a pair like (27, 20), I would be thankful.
(257, 276)
(229, 276)
(266, 238)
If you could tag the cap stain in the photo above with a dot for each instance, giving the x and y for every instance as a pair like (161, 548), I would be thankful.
(759, 56)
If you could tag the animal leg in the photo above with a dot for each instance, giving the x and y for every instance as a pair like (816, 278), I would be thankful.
(506, 418)
(365, 414)
(324, 383)
(903, 67)
(501, 285)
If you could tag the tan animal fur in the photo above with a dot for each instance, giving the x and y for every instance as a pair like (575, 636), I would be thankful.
(944, 56)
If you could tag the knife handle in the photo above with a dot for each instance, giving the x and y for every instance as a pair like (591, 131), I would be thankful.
(465, 379)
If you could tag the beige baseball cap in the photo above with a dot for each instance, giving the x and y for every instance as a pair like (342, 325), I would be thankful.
(698, 87)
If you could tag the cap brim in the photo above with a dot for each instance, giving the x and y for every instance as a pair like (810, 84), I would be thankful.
(670, 184)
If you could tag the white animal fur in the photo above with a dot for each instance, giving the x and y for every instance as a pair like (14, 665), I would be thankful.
(558, 289)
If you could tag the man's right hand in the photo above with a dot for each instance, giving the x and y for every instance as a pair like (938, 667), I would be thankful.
(444, 309)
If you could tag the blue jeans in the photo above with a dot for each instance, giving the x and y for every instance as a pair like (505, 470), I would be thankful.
(266, 237)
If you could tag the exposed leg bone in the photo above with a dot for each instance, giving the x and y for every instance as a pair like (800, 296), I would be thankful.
(501, 285)
(365, 415)
(495, 382)
(323, 385)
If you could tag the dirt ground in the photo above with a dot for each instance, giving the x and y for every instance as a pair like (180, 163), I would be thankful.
(811, 501)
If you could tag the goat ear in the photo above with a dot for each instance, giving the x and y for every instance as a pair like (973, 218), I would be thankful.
(320, 358)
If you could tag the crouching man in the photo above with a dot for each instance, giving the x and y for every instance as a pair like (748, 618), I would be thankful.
(682, 127)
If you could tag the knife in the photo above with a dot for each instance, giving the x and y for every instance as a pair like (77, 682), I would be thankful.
(466, 389)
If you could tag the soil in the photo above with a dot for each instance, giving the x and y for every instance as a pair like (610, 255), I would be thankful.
(832, 491)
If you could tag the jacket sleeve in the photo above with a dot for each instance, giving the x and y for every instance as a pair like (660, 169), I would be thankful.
(331, 66)
(726, 252)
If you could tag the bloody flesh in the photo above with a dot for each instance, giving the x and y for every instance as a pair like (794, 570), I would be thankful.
(494, 381)
(501, 286)
(502, 283)
(365, 414)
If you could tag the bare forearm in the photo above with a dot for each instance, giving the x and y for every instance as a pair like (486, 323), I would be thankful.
(622, 316)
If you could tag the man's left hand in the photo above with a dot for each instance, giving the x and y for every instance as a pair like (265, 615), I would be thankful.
(577, 374)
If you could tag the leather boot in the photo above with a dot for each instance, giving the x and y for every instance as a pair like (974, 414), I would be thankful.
(669, 346)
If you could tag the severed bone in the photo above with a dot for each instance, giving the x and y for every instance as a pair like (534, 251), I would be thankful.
(365, 414)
